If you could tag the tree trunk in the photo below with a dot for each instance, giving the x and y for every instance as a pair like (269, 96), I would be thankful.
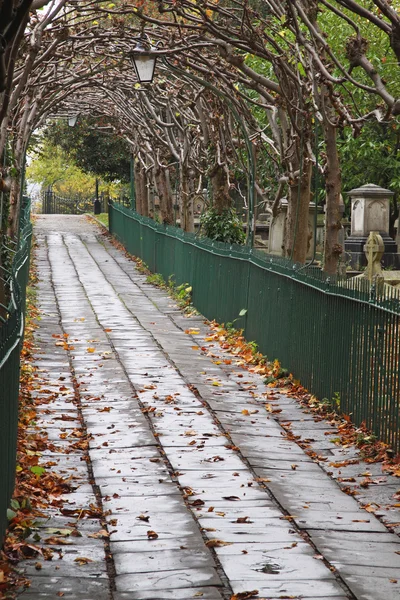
(165, 196)
(145, 193)
(138, 188)
(297, 234)
(220, 188)
(142, 194)
(3, 292)
(186, 203)
(333, 183)
(15, 205)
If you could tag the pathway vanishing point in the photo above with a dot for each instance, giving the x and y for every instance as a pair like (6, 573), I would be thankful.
(204, 495)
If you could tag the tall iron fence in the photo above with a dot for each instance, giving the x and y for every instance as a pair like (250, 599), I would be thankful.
(341, 339)
(13, 283)
(52, 204)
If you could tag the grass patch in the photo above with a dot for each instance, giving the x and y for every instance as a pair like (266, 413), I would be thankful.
(103, 218)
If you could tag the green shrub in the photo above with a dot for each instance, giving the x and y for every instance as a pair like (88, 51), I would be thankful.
(222, 227)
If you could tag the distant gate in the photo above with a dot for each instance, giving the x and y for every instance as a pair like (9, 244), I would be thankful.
(56, 205)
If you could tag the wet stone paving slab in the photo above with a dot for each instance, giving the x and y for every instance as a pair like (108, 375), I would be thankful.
(187, 489)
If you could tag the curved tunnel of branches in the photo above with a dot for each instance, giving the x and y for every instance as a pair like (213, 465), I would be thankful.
(239, 91)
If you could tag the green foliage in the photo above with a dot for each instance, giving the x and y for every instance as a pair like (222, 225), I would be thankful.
(181, 293)
(327, 405)
(222, 227)
(38, 471)
(282, 373)
(372, 157)
(156, 279)
(363, 438)
(103, 218)
(51, 166)
(230, 326)
(97, 151)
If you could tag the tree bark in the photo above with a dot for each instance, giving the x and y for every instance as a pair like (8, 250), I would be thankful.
(297, 234)
(333, 183)
(219, 177)
(145, 193)
(165, 196)
(3, 293)
(138, 188)
(186, 203)
(15, 204)
(142, 196)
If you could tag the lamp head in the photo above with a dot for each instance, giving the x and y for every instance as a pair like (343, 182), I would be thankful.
(144, 61)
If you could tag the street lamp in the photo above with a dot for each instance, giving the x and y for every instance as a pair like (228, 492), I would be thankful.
(72, 120)
(144, 61)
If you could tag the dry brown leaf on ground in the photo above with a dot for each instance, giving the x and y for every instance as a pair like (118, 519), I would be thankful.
(214, 543)
(245, 595)
(82, 560)
(152, 535)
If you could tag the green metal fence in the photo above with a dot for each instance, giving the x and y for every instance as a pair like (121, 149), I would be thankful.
(340, 339)
(11, 336)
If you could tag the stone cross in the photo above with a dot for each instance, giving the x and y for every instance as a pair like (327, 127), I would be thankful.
(374, 250)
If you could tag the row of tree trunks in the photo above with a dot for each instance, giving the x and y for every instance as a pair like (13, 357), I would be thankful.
(160, 177)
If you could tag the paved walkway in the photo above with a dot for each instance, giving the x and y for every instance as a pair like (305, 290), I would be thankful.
(204, 494)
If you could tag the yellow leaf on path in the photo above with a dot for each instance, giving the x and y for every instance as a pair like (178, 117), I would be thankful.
(103, 533)
(217, 543)
(216, 384)
(90, 350)
(82, 560)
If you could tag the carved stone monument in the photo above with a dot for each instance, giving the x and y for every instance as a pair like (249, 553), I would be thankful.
(370, 210)
(277, 230)
(374, 250)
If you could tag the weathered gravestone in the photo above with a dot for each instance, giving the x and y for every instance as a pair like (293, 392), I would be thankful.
(370, 211)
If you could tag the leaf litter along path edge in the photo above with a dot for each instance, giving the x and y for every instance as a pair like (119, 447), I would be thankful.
(133, 365)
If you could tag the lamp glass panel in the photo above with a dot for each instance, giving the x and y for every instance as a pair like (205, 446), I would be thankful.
(144, 65)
